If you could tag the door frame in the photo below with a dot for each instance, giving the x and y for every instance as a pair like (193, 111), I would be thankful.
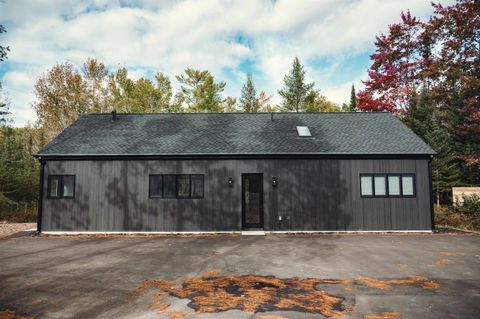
(244, 224)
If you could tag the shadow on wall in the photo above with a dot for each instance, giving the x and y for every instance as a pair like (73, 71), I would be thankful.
(311, 194)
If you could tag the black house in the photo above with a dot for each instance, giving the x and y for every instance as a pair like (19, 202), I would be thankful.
(233, 172)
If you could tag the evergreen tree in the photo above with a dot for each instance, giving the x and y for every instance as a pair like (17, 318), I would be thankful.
(4, 112)
(201, 92)
(295, 90)
(248, 99)
(353, 100)
(423, 120)
(445, 169)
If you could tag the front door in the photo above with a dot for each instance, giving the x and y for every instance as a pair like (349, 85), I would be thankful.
(252, 200)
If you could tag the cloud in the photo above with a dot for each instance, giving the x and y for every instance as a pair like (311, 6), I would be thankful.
(148, 36)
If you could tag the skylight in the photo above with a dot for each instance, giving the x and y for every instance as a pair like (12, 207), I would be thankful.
(303, 131)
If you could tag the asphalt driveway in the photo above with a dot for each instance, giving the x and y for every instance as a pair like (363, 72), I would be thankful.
(391, 276)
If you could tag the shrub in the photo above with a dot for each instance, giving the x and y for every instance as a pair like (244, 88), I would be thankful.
(471, 205)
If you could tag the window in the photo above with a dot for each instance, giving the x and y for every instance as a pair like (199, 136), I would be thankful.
(61, 186)
(183, 186)
(303, 131)
(380, 185)
(387, 185)
(176, 186)
(366, 185)
(394, 185)
(408, 186)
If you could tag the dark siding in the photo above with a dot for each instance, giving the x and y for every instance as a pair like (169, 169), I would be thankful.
(321, 194)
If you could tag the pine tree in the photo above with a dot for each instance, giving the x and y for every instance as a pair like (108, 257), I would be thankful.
(295, 90)
(353, 100)
(423, 120)
(445, 169)
(248, 99)
(4, 112)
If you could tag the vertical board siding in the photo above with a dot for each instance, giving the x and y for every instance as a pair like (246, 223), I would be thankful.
(322, 194)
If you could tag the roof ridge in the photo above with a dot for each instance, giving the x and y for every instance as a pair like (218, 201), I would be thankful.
(239, 113)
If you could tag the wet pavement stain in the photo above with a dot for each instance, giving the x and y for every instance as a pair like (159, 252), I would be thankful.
(213, 293)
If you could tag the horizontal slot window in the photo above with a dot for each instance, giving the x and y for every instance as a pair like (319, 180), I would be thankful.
(176, 186)
(387, 185)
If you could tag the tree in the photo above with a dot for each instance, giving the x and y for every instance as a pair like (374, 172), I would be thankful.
(4, 111)
(230, 105)
(3, 49)
(164, 93)
(441, 54)
(396, 66)
(248, 99)
(95, 76)
(18, 169)
(295, 89)
(353, 100)
(200, 91)
(316, 102)
(422, 119)
(61, 97)
(263, 103)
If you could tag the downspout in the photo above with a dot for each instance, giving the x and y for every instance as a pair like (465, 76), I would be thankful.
(40, 196)
(430, 188)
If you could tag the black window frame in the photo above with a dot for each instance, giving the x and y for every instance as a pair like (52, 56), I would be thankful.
(176, 196)
(387, 188)
(60, 177)
(414, 185)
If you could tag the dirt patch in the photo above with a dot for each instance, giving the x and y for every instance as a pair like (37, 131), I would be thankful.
(442, 262)
(7, 314)
(403, 266)
(176, 315)
(383, 315)
(8, 229)
(449, 253)
(212, 293)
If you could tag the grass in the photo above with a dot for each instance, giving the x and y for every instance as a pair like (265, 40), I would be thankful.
(450, 217)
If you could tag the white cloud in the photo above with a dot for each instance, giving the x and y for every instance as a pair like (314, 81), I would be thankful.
(148, 36)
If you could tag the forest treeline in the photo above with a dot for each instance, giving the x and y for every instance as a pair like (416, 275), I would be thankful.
(425, 72)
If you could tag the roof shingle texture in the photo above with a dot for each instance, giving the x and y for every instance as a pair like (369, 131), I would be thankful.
(236, 133)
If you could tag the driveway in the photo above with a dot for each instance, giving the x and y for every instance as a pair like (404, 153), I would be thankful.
(317, 276)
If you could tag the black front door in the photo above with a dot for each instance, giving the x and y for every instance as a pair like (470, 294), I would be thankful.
(252, 200)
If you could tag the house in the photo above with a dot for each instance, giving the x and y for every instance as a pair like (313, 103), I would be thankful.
(209, 172)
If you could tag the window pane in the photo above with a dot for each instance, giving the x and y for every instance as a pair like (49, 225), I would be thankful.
(54, 186)
(68, 185)
(155, 187)
(183, 185)
(169, 186)
(407, 185)
(197, 185)
(394, 185)
(380, 186)
(366, 185)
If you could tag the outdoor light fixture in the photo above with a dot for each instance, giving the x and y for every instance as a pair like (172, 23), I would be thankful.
(230, 182)
(274, 182)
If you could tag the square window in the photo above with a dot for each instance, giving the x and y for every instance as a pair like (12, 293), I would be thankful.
(183, 186)
(68, 186)
(366, 186)
(394, 185)
(380, 186)
(169, 186)
(408, 187)
(155, 186)
(197, 186)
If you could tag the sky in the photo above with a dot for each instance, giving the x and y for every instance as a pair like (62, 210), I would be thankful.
(332, 38)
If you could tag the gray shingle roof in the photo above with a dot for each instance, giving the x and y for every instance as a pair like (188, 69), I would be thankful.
(236, 133)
